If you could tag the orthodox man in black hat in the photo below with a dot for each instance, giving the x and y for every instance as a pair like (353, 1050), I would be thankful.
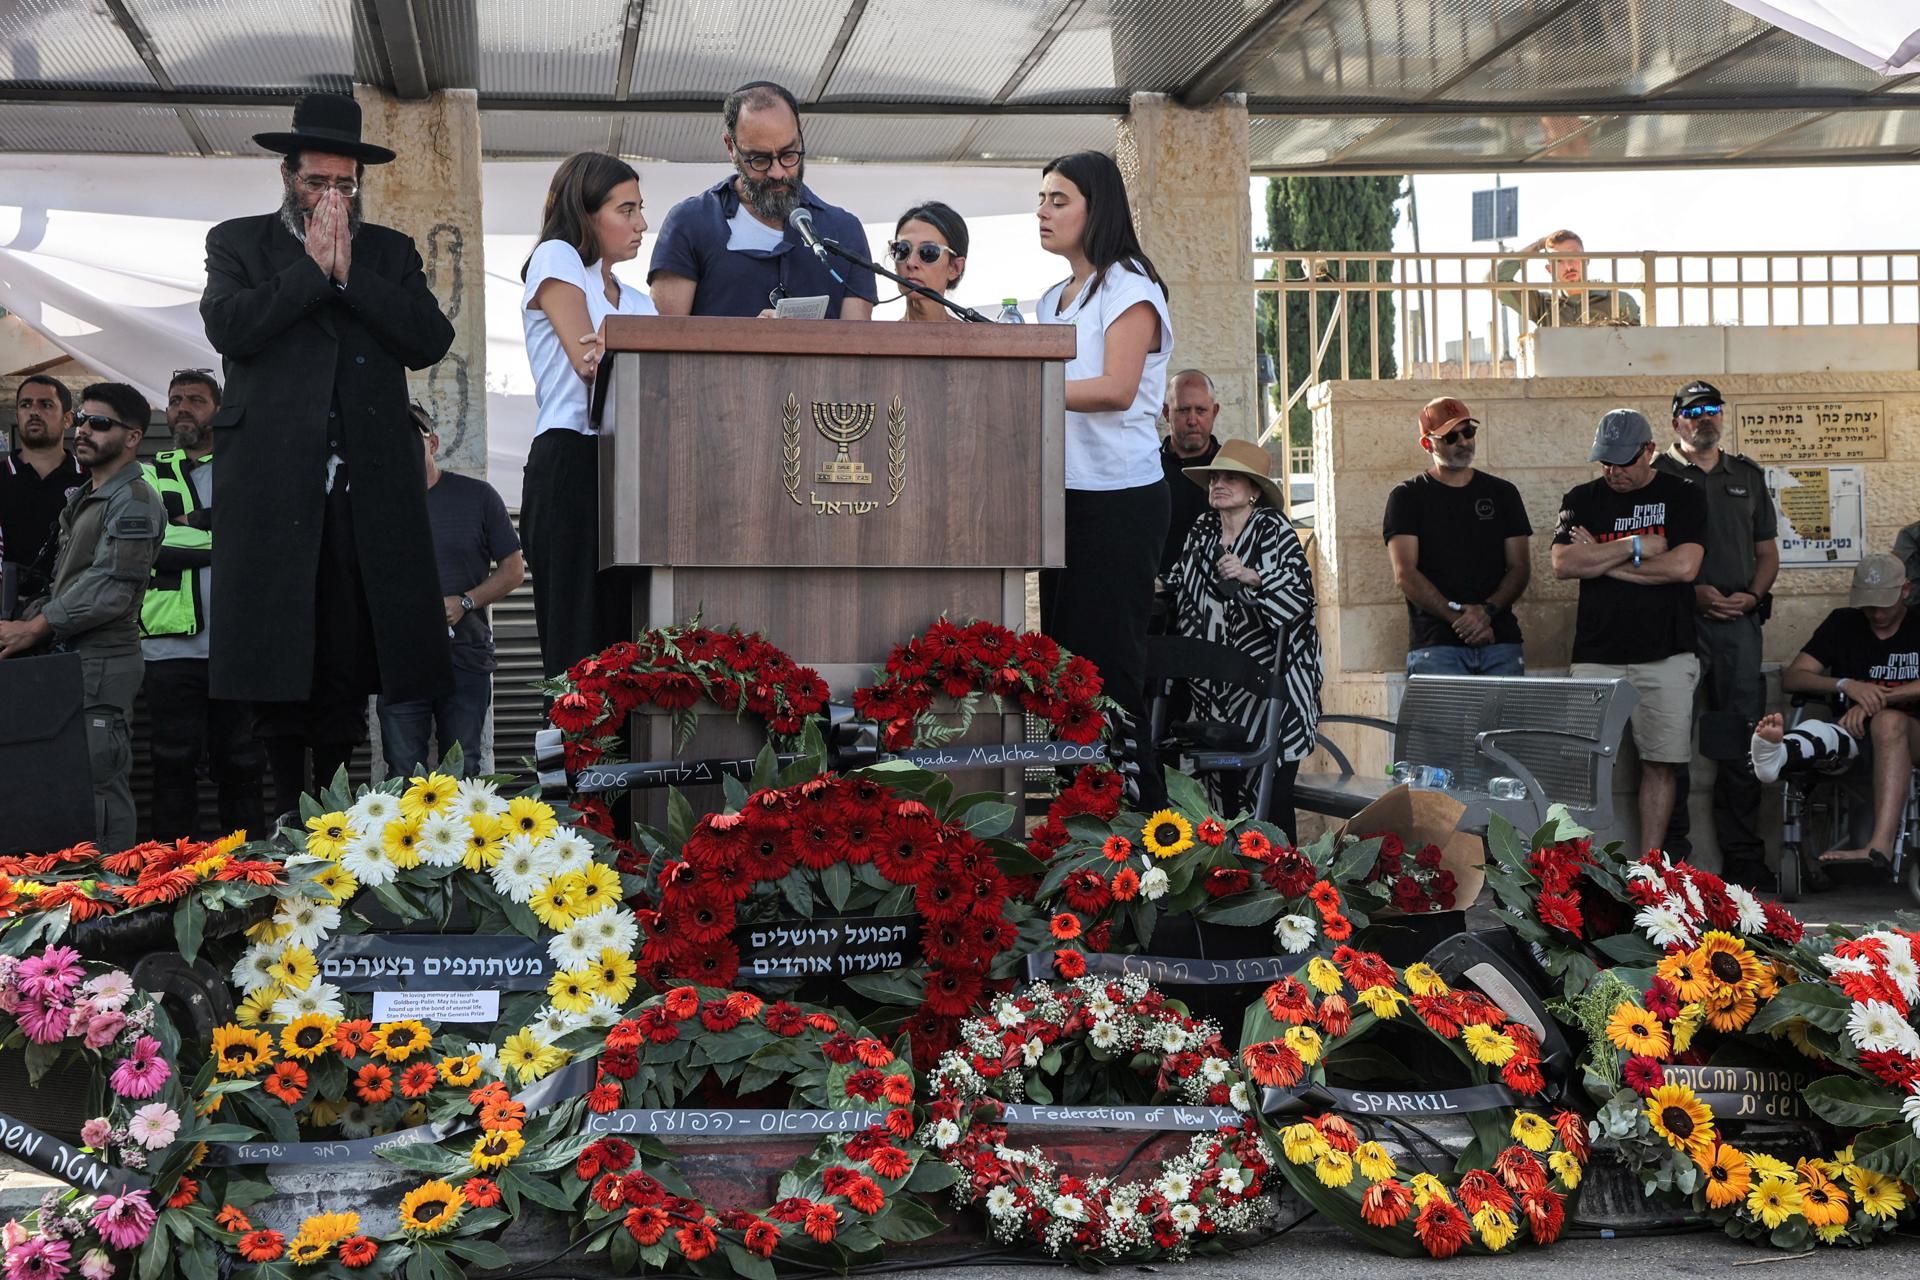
(327, 589)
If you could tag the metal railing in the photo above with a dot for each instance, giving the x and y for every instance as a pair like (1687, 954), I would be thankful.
(1445, 315)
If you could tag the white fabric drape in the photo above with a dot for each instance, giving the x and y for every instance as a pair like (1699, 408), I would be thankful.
(1883, 35)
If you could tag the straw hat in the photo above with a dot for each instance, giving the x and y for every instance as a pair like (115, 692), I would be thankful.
(1242, 458)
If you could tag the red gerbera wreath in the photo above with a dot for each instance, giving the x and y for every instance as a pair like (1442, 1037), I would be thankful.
(963, 661)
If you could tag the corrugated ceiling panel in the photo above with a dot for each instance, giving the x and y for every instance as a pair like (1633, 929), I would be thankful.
(553, 49)
(704, 48)
(1784, 63)
(251, 44)
(230, 130)
(1388, 48)
(1702, 136)
(1282, 142)
(1851, 133)
(1038, 139)
(1467, 141)
(519, 134)
(1113, 48)
(936, 50)
(58, 42)
(93, 127)
(887, 139)
(1612, 48)
(692, 139)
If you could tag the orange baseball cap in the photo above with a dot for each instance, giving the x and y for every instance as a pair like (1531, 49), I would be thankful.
(1443, 415)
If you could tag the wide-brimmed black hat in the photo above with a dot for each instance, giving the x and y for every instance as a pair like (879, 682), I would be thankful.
(328, 122)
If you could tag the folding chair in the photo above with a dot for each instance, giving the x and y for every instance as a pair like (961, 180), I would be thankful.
(1216, 746)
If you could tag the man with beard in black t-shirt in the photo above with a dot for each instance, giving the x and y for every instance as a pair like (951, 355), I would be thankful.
(1869, 654)
(1635, 539)
(1458, 541)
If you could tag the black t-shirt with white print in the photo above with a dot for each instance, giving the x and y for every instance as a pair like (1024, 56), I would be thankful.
(1625, 622)
(1845, 645)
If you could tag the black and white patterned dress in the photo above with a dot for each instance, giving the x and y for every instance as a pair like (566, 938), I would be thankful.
(1254, 621)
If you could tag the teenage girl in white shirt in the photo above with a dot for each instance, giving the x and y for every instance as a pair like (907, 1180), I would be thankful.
(593, 220)
(1116, 501)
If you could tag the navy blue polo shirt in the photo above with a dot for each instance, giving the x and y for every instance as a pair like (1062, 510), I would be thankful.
(738, 282)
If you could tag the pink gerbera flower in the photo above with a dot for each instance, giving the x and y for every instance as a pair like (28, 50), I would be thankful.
(52, 974)
(142, 1072)
(46, 1023)
(124, 1222)
(39, 1258)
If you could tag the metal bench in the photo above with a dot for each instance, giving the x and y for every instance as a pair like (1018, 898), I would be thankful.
(1558, 736)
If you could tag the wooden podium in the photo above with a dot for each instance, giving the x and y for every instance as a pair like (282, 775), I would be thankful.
(836, 485)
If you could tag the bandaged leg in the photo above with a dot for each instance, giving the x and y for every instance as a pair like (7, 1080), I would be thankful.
(1814, 744)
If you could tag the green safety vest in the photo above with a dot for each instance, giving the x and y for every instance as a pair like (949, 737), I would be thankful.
(172, 606)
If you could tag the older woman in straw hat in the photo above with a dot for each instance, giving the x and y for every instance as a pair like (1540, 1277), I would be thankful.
(1242, 580)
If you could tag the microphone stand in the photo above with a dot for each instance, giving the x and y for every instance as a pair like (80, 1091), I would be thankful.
(959, 309)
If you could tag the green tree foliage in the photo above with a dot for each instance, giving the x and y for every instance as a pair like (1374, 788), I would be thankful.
(1335, 215)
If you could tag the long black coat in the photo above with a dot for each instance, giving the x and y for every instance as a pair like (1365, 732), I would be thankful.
(296, 349)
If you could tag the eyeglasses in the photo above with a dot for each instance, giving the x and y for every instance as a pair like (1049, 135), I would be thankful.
(1455, 436)
(98, 422)
(929, 251)
(763, 161)
(1703, 411)
(347, 187)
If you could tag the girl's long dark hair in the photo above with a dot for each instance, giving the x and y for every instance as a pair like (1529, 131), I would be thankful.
(1109, 236)
(580, 186)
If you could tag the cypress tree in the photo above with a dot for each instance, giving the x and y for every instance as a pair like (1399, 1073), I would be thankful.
(1312, 214)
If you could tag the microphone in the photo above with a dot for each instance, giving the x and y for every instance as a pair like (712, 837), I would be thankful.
(800, 218)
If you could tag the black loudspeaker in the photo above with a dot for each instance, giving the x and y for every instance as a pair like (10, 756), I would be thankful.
(46, 778)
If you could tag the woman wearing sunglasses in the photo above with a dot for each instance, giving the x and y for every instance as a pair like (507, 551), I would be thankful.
(929, 247)
(1117, 506)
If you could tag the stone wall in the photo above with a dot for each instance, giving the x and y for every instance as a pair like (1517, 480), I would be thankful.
(1536, 432)
(1186, 172)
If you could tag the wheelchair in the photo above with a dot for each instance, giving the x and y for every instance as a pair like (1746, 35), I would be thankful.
(1824, 810)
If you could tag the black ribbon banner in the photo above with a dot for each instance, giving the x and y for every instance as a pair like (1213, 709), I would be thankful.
(1174, 971)
(69, 1164)
(836, 946)
(434, 962)
(734, 1123)
(567, 1083)
(1392, 1102)
(1194, 1119)
(1746, 1093)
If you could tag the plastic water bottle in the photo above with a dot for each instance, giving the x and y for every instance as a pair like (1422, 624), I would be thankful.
(1426, 777)
(1506, 789)
(1010, 312)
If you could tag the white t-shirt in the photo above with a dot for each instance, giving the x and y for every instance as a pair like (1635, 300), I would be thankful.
(746, 232)
(1117, 449)
(557, 389)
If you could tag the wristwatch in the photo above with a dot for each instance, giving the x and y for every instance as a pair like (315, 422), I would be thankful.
(1455, 606)
(466, 602)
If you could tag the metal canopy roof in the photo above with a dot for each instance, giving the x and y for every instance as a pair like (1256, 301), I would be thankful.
(1333, 85)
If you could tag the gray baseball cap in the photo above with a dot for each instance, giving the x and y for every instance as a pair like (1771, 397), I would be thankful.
(1620, 437)
(1877, 580)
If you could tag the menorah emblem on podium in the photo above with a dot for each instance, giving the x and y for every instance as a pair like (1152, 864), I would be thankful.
(843, 425)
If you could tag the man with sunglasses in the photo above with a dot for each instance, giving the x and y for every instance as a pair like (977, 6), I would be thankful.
(1457, 538)
(110, 530)
(1634, 540)
(1730, 603)
(729, 251)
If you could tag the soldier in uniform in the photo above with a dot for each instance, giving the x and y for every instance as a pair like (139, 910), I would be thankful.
(1730, 604)
(110, 531)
